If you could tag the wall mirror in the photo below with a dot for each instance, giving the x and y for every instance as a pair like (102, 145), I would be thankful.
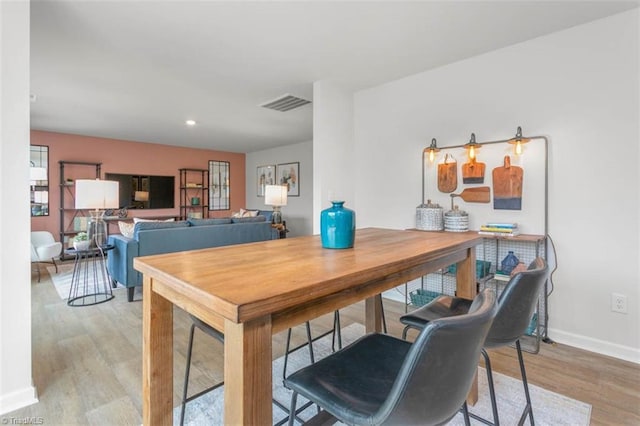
(219, 185)
(39, 180)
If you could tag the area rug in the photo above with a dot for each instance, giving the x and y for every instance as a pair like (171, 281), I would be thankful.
(549, 408)
(62, 279)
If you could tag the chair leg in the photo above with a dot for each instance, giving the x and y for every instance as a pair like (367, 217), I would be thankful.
(528, 409)
(310, 341)
(492, 391)
(292, 410)
(38, 268)
(54, 264)
(404, 332)
(384, 320)
(336, 331)
(465, 414)
(186, 375)
(287, 349)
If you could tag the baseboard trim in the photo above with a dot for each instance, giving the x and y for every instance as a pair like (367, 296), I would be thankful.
(602, 347)
(18, 399)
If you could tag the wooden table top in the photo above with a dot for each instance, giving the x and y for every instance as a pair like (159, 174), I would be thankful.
(246, 281)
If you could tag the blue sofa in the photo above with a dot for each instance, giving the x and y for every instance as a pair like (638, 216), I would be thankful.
(168, 237)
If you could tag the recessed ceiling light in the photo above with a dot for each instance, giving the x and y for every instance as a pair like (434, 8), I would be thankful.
(190, 122)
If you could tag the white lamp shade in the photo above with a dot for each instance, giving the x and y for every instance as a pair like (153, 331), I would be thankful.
(141, 196)
(275, 195)
(37, 173)
(96, 194)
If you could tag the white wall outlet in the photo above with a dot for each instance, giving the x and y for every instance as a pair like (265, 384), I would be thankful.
(619, 303)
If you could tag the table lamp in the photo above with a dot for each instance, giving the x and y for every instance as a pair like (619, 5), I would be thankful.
(97, 195)
(276, 196)
(142, 197)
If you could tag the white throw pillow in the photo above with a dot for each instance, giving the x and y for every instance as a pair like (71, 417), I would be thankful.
(126, 228)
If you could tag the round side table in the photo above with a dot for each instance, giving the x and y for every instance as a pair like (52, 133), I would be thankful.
(90, 281)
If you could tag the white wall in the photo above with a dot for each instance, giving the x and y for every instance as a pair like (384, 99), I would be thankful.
(16, 389)
(580, 87)
(298, 211)
(334, 168)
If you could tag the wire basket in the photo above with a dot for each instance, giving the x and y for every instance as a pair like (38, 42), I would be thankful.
(421, 297)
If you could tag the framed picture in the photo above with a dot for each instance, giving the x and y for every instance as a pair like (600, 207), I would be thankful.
(265, 175)
(289, 174)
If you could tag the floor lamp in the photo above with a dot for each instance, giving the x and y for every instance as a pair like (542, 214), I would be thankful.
(97, 195)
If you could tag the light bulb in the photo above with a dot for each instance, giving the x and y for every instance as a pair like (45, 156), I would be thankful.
(518, 147)
(472, 152)
(432, 155)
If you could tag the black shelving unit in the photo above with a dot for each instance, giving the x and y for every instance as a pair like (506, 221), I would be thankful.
(194, 185)
(68, 213)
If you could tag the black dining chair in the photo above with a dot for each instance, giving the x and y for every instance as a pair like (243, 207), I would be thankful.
(382, 379)
(207, 329)
(516, 305)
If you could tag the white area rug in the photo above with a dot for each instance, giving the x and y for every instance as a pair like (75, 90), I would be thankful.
(62, 279)
(549, 408)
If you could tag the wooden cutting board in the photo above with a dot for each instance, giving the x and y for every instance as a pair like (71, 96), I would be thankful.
(448, 175)
(473, 172)
(507, 186)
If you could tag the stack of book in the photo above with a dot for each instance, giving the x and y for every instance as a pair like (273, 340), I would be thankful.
(499, 229)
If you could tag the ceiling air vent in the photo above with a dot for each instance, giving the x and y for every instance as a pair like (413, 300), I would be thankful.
(285, 102)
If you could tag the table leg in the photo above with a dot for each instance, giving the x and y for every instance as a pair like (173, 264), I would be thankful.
(466, 288)
(157, 357)
(247, 372)
(373, 314)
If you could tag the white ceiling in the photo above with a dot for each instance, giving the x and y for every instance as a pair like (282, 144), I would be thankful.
(136, 70)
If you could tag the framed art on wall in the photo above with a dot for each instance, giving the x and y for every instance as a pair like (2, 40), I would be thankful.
(289, 175)
(265, 175)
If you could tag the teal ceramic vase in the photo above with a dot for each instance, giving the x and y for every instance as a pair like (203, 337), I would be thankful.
(509, 262)
(337, 226)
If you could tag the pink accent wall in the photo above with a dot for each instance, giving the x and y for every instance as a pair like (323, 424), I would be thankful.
(119, 156)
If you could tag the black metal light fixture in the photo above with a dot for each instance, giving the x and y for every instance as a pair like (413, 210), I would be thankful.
(433, 148)
(472, 146)
(518, 141)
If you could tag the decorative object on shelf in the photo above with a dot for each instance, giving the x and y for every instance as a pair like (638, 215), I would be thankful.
(448, 175)
(122, 213)
(429, 217)
(499, 229)
(98, 195)
(509, 262)
(507, 186)
(337, 226)
(472, 146)
(481, 194)
(456, 220)
(473, 172)
(81, 241)
(219, 185)
(265, 175)
(289, 175)
(432, 150)
(275, 196)
(195, 201)
(518, 141)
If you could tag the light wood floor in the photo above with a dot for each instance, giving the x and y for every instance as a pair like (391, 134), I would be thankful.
(87, 363)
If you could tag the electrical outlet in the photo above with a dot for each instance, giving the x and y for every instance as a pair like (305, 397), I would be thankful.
(619, 303)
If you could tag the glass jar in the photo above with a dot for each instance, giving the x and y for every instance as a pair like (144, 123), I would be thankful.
(509, 262)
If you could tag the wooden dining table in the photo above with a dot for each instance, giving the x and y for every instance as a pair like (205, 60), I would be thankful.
(252, 291)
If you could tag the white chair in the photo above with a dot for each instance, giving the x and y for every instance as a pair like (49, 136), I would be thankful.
(44, 249)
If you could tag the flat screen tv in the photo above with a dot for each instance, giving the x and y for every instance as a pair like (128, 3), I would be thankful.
(145, 192)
